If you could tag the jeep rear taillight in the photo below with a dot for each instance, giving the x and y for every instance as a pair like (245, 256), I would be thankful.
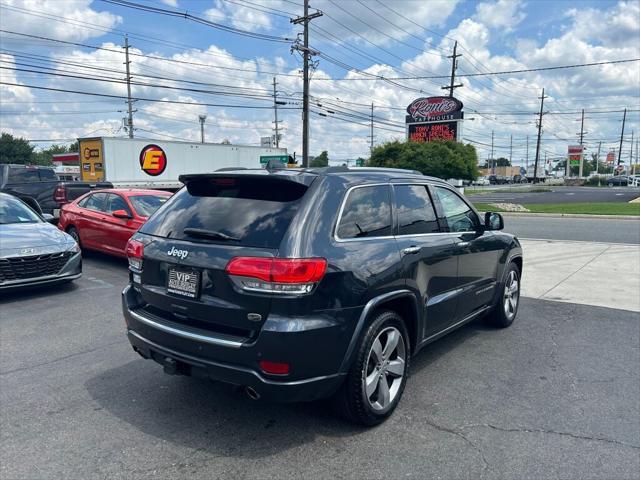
(276, 275)
(135, 253)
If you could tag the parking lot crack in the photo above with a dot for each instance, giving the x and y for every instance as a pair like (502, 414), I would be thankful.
(461, 434)
(555, 432)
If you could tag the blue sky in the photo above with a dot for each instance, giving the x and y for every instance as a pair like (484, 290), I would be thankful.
(398, 38)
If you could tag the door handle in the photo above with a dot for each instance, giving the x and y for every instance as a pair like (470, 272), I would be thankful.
(463, 244)
(411, 250)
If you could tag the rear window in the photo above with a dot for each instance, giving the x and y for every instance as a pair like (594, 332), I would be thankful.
(248, 211)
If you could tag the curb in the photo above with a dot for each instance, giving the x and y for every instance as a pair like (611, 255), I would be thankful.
(570, 215)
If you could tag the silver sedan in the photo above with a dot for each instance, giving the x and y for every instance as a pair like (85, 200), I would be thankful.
(32, 251)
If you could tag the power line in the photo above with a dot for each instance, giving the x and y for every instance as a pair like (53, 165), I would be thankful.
(142, 99)
(196, 19)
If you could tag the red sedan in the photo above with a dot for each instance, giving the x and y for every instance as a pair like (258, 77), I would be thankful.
(104, 220)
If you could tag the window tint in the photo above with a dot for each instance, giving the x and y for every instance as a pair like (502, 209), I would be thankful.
(116, 202)
(13, 210)
(366, 213)
(47, 174)
(83, 203)
(145, 205)
(459, 216)
(415, 210)
(253, 212)
(96, 202)
(23, 175)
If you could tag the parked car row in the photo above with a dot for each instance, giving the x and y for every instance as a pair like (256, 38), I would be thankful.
(34, 252)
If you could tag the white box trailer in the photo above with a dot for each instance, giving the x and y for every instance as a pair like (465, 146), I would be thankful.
(146, 163)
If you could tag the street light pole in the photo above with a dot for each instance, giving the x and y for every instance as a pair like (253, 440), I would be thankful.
(202, 119)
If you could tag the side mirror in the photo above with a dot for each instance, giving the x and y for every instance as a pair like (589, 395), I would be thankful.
(121, 214)
(49, 218)
(493, 221)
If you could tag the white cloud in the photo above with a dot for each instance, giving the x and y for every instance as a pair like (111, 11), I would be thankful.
(40, 17)
(171, 3)
(502, 14)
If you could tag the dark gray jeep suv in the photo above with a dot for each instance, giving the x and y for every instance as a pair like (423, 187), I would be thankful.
(305, 284)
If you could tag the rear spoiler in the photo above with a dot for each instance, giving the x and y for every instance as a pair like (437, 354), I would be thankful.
(284, 175)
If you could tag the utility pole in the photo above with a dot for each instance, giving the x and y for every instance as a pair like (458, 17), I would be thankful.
(129, 101)
(511, 149)
(304, 20)
(454, 65)
(202, 118)
(275, 113)
(535, 166)
(526, 162)
(631, 155)
(598, 157)
(581, 147)
(624, 118)
(493, 160)
(371, 136)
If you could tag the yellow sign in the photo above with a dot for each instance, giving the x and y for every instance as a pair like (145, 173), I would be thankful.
(91, 161)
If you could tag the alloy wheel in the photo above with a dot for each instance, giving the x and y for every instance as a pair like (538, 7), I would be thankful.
(511, 295)
(385, 368)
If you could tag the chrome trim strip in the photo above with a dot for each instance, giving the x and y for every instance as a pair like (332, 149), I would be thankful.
(262, 379)
(184, 334)
(385, 237)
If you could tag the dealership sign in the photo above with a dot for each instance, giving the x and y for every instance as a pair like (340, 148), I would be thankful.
(434, 118)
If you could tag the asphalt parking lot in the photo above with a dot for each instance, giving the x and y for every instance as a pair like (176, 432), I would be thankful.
(558, 194)
(555, 396)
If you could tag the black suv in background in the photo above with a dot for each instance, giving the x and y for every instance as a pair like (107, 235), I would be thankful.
(305, 284)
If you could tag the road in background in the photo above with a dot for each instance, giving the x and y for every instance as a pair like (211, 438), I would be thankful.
(556, 195)
(556, 395)
(613, 230)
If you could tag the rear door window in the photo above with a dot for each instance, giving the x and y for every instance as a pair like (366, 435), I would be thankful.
(47, 174)
(23, 175)
(96, 202)
(414, 210)
(253, 212)
(366, 213)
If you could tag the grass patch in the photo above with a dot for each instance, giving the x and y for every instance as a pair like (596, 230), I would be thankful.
(581, 208)
(468, 191)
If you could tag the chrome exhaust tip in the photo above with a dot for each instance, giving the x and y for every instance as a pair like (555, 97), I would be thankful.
(251, 393)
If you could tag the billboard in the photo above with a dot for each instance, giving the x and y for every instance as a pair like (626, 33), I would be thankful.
(434, 118)
(426, 132)
(611, 157)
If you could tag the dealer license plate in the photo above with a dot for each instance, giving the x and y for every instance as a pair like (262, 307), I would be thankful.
(183, 282)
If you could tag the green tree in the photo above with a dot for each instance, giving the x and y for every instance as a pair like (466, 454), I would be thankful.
(45, 156)
(15, 150)
(321, 160)
(500, 162)
(443, 159)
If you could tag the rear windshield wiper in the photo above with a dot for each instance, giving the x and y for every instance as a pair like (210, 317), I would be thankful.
(202, 233)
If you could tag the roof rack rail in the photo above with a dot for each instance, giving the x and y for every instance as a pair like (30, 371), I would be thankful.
(387, 169)
(229, 169)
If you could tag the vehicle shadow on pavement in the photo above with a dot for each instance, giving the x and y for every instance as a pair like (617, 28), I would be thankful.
(218, 418)
(31, 293)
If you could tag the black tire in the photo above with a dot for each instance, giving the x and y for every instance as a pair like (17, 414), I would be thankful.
(609, 184)
(352, 401)
(502, 316)
(74, 233)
